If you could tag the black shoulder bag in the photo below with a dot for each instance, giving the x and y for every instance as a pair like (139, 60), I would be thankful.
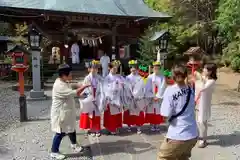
(184, 107)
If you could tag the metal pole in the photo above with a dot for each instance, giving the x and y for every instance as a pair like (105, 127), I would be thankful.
(22, 99)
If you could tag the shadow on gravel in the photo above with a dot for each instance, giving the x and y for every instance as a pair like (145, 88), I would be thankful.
(122, 146)
(3, 149)
(146, 129)
(225, 140)
(228, 103)
(86, 154)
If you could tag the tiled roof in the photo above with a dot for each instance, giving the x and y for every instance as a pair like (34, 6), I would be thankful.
(157, 35)
(134, 8)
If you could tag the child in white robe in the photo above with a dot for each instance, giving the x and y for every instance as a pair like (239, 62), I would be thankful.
(156, 86)
(113, 113)
(90, 118)
(134, 116)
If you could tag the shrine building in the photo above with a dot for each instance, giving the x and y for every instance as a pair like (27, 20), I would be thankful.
(113, 26)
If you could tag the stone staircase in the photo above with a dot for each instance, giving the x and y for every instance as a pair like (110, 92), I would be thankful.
(78, 73)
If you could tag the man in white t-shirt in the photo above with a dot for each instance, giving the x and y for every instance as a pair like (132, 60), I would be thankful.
(182, 132)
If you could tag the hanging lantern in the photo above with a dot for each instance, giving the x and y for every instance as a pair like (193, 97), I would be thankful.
(34, 38)
(93, 42)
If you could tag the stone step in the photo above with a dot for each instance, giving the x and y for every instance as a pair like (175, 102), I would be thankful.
(77, 77)
(80, 66)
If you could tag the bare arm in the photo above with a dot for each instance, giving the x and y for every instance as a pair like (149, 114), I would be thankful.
(167, 104)
(76, 85)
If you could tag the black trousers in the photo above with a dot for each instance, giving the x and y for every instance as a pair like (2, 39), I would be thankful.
(58, 139)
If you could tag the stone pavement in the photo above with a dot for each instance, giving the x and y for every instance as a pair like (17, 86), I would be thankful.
(32, 140)
(127, 146)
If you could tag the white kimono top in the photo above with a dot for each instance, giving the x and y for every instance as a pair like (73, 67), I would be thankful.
(63, 111)
(153, 81)
(90, 104)
(137, 89)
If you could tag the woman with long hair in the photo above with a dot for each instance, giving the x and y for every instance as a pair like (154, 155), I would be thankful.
(204, 97)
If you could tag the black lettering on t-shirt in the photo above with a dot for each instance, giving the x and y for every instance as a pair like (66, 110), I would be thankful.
(184, 91)
(180, 94)
(175, 97)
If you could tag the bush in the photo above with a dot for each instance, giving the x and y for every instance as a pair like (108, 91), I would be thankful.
(231, 55)
(235, 63)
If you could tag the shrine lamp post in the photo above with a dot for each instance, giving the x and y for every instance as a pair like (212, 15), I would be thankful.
(34, 40)
(20, 65)
(161, 39)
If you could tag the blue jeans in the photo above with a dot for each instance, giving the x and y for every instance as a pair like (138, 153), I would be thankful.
(58, 138)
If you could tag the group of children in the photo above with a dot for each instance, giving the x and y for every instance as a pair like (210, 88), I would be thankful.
(132, 102)
(114, 116)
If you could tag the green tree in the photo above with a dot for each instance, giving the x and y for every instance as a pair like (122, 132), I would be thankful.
(146, 49)
(228, 20)
(191, 24)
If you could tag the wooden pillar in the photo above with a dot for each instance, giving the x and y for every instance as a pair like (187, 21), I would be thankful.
(114, 40)
(62, 50)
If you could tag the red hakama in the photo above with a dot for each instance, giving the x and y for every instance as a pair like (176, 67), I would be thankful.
(137, 120)
(154, 118)
(92, 123)
(128, 119)
(112, 122)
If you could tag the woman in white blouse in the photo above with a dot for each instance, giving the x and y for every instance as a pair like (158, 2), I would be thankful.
(205, 85)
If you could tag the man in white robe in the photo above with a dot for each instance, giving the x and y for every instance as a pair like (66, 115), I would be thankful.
(105, 60)
(63, 111)
(75, 53)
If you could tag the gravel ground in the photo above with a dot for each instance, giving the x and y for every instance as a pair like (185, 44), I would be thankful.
(32, 140)
(224, 128)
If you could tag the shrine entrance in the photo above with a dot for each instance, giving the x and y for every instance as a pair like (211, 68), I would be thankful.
(90, 42)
